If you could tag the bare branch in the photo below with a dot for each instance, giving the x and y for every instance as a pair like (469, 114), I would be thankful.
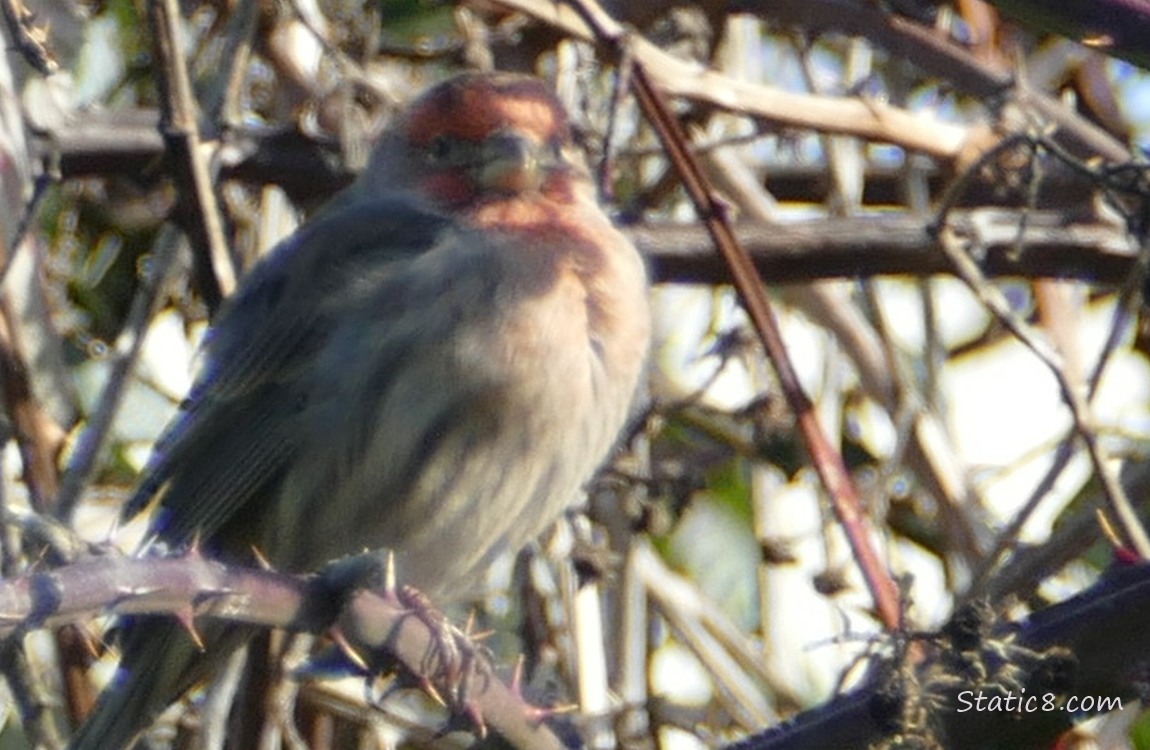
(182, 134)
(370, 622)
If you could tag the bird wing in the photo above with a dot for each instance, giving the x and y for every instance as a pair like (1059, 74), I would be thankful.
(239, 428)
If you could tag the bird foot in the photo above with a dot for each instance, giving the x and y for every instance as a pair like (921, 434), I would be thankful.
(449, 669)
(455, 660)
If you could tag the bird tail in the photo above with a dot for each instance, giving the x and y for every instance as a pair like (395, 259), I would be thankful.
(161, 662)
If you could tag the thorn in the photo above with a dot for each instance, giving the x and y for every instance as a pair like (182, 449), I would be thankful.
(471, 709)
(427, 687)
(262, 561)
(348, 650)
(389, 584)
(187, 618)
(148, 543)
(391, 683)
(40, 558)
(194, 549)
(94, 643)
(517, 677)
(538, 714)
(535, 713)
(475, 637)
(1122, 553)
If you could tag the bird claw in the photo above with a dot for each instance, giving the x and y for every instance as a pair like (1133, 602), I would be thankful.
(454, 661)
(448, 669)
(473, 713)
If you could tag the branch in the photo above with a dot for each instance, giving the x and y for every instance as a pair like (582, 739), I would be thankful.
(845, 115)
(123, 358)
(182, 135)
(38, 436)
(30, 40)
(128, 143)
(1103, 627)
(815, 249)
(371, 622)
(939, 56)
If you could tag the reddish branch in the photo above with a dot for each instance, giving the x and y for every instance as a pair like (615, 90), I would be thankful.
(826, 458)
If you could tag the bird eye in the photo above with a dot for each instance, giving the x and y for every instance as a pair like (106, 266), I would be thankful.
(439, 149)
(555, 146)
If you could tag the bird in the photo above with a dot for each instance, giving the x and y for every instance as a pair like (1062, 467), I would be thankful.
(433, 365)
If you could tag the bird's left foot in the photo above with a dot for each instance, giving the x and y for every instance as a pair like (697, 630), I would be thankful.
(451, 665)
(454, 661)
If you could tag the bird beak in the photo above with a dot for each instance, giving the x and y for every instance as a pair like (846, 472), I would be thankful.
(512, 162)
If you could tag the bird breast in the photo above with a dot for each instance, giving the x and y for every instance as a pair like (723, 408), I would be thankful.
(493, 397)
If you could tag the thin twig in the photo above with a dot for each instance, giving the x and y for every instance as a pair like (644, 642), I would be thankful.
(1078, 403)
(937, 56)
(734, 665)
(182, 134)
(1128, 296)
(126, 354)
(40, 185)
(30, 40)
(30, 692)
(38, 436)
(958, 251)
(1008, 537)
(620, 87)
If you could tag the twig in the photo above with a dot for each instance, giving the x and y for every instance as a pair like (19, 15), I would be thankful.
(686, 608)
(31, 41)
(938, 56)
(1127, 298)
(38, 436)
(182, 137)
(958, 249)
(632, 647)
(30, 693)
(126, 354)
(1079, 403)
(620, 87)
(1076, 531)
(40, 186)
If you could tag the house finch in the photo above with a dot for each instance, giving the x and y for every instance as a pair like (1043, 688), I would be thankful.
(433, 365)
